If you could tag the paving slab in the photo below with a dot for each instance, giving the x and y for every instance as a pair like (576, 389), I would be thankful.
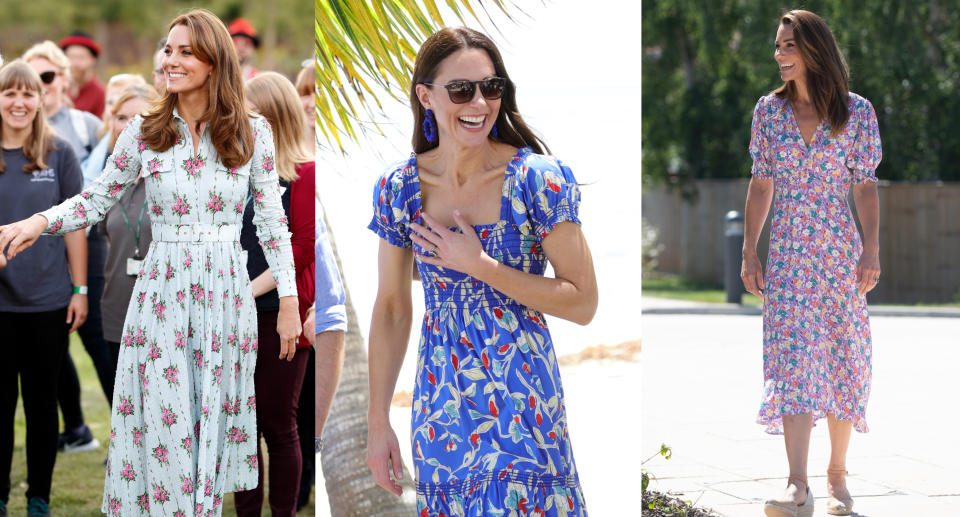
(702, 385)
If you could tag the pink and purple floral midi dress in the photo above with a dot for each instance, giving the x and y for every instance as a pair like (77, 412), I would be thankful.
(184, 428)
(816, 330)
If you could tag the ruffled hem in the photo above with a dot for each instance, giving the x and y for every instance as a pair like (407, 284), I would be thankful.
(508, 493)
(774, 422)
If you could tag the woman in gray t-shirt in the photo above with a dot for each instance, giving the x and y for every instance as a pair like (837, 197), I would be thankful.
(42, 293)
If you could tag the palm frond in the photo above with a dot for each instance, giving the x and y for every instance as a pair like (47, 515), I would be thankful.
(365, 43)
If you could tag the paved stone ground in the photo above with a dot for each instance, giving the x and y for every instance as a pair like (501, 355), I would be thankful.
(702, 385)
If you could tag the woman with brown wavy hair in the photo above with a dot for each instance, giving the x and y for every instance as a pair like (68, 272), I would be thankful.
(481, 209)
(184, 410)
(812, 140)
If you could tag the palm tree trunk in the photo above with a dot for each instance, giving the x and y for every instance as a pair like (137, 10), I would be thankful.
(351, 490)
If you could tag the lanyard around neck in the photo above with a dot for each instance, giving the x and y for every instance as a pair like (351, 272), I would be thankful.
(136, 234)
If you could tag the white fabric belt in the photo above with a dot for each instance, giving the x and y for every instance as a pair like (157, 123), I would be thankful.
(196, 232)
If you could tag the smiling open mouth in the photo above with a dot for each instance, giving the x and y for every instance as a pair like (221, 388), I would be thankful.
(472, 122)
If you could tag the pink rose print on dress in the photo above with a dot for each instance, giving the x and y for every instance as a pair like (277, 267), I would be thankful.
(210, 299)
(125, 407)
(179, 513)
(113, 506)
(258, 197)
(168, 417)
(186, 484)
(122, 161)
(231, 407)
(128, 473)
(130, 339)
(187, 444)
(156, 209)
(237, 435)
(180, 341)
(236, 371)
(207, 486)
(79, 211)
(154, 352)
(196, 430)
(86, 195)
(155, 272)
(170, 272)
(197, 293)
(140, 299)
(182, 298)
(160, 493)
(215, 203)
(208, 265)
(215, 344)
(194, 166)
(237, 302)
(143, 501)
(138, 436)
(238, 208)
(114, 189)
(160, 453)
(252, 403)
(271, 245)
(159, 308)
(198, 357)
(187, 259)
(245, 344)
(153, 168)
(252, 463)
(180, 206)
(57, 225)
(268, 162)
(171, 373)
(233, 173)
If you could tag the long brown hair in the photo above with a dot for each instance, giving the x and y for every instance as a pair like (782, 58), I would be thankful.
(226, 114)
(828, 77)
(277, 100)
(16, 75)
(440, 45)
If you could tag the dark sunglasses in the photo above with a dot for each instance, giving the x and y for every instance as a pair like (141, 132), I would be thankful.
(461, 92)
(48, 77)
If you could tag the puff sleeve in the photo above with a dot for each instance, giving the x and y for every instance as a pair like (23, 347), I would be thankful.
(391, 201)
(545, 194)
(761, 147)
(866, 153)
(91, 205)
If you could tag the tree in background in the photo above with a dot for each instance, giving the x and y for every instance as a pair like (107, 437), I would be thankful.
(128, 30)
(705, 65)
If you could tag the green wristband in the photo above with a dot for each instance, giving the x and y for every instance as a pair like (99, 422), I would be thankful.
(80, 289)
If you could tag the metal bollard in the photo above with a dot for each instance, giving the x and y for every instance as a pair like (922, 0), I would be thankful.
(733, 258)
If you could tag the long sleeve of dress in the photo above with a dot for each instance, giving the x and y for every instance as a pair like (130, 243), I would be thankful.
(92, 205)
(301, 225)
(268, 214)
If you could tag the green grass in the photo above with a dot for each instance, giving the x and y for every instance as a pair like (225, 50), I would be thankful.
(78, 478)
(673, 286)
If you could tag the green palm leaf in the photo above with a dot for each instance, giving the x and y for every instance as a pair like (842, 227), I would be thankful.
(360, 43)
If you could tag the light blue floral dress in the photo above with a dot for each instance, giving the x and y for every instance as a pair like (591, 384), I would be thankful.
(490, 433)
(183, 428)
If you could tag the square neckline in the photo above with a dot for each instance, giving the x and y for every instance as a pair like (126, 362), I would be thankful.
(504, 205)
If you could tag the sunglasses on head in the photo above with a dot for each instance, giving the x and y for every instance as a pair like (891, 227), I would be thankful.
(461, 92)
(48, 77)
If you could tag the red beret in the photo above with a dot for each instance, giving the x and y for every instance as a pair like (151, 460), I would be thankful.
(80, 39)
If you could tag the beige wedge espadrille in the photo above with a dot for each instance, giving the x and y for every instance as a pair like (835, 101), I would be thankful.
(839, 506)
(787, 507)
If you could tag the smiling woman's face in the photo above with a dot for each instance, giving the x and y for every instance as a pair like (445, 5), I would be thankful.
(18, 107)
(183, 70)
(466, 124)
(787, 55)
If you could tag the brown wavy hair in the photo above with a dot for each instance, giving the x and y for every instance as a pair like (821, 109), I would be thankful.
(43, 139)
(828, 77)
(440, 45)
(277, 100)
(226, 114)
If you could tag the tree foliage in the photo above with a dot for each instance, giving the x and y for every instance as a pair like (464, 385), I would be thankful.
(705, 65)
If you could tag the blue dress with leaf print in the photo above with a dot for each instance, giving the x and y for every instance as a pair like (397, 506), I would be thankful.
(489, 423)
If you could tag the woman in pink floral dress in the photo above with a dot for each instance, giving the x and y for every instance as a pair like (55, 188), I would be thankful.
(183, 429)
(811, 141)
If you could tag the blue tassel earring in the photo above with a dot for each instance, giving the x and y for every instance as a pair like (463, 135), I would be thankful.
(493, 130)
(430, 127)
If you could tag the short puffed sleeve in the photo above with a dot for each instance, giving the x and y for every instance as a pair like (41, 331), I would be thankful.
(866, 152)
(761, 146)
(392, 198)
(545, 194)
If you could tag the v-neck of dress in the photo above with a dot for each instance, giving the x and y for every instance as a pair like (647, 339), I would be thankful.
(796, 125)
(504, 205)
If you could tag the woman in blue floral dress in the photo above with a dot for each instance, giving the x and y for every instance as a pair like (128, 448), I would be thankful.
(183, 429)
(490, 433)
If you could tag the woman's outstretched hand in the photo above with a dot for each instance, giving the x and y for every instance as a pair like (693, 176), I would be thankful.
(751, 272)
(382, 446)
(21, 234)
(461, 252)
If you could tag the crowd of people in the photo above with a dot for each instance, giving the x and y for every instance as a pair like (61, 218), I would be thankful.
(69, 141)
